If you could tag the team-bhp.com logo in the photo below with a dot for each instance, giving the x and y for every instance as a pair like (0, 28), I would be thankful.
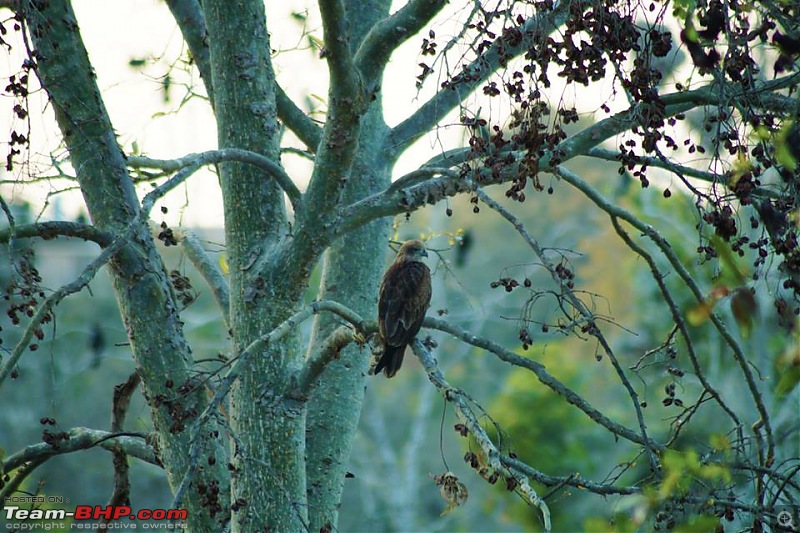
(31, 519)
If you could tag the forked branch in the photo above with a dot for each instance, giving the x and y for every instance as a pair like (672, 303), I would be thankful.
(211, 157)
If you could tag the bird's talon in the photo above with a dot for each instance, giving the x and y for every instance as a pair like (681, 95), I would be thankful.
(359, 338)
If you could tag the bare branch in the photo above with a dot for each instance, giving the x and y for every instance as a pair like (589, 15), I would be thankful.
(119, 409)
(46, 307)
(675, 103)
(296, 120)
(423, 187)
(241, 364)
(337, 45)
(192, 23)
(585, 142)
(612, 155)
(122, 400)
(593, 329)
(347, 103)
(543, 376)
(677, 317)
(534, 33)
(493, 456)
(92, 268)
(647, 230)
(315, 365)
(51, 230)
(388, 34)
(574, 480)
(208, 269)
(80, 438)
(226, 154)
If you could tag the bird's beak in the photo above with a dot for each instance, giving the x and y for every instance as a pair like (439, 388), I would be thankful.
(425, 253)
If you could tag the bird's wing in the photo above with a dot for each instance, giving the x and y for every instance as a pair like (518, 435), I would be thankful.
(404, 298)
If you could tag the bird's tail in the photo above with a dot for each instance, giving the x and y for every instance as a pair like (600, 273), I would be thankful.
(391, 360)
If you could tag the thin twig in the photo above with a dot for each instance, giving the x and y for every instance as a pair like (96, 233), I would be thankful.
(543, 376)
(677, 318)
(647, 230)
(88, 273)
(593, 329)
(493, 456)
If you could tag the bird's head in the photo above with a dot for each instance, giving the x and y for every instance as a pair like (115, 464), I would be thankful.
(413, 250)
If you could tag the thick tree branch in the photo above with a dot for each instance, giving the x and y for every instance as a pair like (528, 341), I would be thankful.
(211, 157)
(92, 268)
(208, 269)
(388, 34)
(330, 350)
(61, 228)
(141, 285)
(421, 190)
(534, 33)
(297, 120)
(337, 46)
(243, 360)
(347, 103)
(76, 439)
(192, 23)
(423, 187)
(437, 180)
(429, 184)
(493, 457)
(80, 438)
(675, 103)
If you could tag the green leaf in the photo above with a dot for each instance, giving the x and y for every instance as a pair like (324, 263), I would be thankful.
(744, 308)
(787, 366)
(735, 274)
(698, 524)
(783, 149)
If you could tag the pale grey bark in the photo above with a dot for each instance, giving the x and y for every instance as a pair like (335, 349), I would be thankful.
(268, 445)
(140, 281)
(350, 275)
(293, 412)
(353, 265)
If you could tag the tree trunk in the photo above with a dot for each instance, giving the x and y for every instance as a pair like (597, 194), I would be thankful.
(268, 430)
(351, 276)
(160, 351)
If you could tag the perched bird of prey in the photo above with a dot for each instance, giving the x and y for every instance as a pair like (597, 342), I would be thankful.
(404, 299)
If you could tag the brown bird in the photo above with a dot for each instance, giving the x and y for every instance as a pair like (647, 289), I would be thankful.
(404, 299)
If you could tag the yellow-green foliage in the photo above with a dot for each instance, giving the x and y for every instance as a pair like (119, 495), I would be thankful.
(550, 434)
(681, 469)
